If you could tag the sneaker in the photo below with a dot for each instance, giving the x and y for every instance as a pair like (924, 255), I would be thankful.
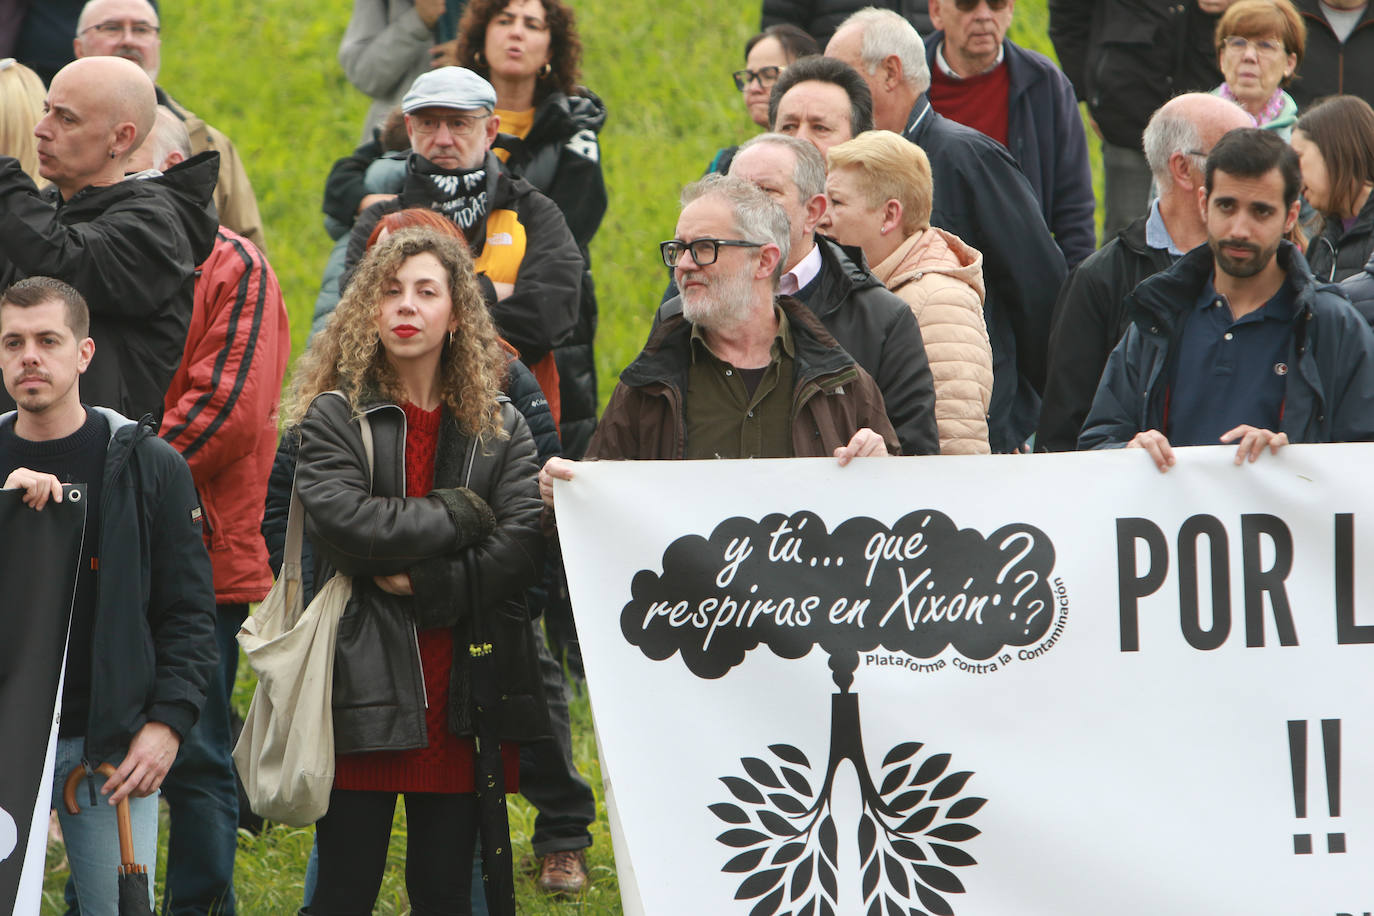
(563, 872)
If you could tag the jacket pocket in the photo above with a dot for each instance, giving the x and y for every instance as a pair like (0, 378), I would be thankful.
(378, 689)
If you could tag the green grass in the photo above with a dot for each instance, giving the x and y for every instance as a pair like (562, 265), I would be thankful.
(265, 72)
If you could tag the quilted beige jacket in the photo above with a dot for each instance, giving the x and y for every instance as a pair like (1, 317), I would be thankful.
(941, 278)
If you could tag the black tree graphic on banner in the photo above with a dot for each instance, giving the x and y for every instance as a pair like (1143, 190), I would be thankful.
(921, 587)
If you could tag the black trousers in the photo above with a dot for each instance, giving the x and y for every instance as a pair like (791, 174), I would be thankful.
(353, 838)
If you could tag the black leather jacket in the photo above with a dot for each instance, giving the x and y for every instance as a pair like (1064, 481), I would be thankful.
(472, 579)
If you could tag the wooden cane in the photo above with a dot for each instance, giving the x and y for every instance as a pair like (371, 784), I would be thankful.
(127, 865)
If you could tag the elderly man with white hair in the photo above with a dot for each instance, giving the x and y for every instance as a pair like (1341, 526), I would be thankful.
(980, 196)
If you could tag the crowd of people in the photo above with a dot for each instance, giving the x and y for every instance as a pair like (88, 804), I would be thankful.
(903, 262)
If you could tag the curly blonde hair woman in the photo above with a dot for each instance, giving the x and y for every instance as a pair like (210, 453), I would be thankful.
(436, 681)
(351, 354)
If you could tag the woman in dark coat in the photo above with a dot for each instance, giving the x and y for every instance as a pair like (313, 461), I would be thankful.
(435, 678)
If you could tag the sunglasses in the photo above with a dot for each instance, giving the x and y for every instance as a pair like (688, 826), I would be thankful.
(766, 76)
(968, 6)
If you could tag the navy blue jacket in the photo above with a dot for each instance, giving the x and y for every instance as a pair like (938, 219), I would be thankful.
(1330, 383)
(1045, 136)
(982, 197)
(1360, 289)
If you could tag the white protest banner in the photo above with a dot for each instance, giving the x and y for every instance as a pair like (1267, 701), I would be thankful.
(1029, 685)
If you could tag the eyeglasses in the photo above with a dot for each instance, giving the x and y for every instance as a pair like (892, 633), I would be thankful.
(704, 251)
(766, 76)
(1265, 47)
(459, 126)
(114, 29)
(968, 6)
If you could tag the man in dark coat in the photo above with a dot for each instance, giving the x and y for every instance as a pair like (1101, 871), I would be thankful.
(1340, 51)
(1018, 97)
(129, 246)
(981, 196)
(1237, 343)
(1090, 316)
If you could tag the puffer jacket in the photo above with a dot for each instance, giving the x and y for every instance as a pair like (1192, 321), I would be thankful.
(131, 249)
(465, 573)
(941, 278)
(221, 407)
(1329, 392)
(832, 396)
(1338, 253)
(1359, 288)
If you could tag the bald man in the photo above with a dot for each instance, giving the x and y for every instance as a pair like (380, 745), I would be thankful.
(130, 29)
(1090, 316)
(130, 246)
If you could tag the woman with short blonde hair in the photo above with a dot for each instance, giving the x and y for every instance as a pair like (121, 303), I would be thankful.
(21, 105)
(880, 190)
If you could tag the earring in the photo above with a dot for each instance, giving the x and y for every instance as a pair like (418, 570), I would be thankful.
(545, 70)
(112, 154)
(450, 338)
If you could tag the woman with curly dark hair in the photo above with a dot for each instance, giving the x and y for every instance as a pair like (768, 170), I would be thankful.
(530, 53)
(435, 680)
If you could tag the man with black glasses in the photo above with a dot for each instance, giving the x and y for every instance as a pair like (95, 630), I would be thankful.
(739, 372)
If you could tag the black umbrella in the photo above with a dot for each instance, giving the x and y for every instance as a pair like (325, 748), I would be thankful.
(133, 878)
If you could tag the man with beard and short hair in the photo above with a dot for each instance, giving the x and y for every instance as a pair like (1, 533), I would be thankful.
(739, 372)
(1090, 315)
(130, 29)
(872, 324)
(1237, 343)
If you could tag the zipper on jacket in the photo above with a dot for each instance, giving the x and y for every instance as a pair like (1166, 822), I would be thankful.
(414, 630)
(419, 664)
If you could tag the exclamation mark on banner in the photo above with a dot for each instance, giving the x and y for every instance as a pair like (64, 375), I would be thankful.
(1331, 752)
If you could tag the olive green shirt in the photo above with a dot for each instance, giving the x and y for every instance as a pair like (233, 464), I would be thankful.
(723, 419)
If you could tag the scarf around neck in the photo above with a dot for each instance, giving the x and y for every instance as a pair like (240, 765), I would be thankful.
(458, 194)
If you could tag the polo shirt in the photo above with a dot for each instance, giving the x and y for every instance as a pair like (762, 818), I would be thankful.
(725, 419)
(1228, 371)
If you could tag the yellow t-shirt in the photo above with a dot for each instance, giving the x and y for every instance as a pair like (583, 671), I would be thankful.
(515, 123)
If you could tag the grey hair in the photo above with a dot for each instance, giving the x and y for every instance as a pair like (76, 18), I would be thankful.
(168, 135)
(808, 170)
(886, 32)
(1170, 131)
(758, 217)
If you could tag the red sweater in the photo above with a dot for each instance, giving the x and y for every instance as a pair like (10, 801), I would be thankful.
(446, 765)
(979, 102)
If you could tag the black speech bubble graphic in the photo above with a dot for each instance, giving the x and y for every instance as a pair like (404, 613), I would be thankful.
(919, 587)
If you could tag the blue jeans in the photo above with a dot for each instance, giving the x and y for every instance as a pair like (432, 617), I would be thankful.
(92, 837)
(202, 796)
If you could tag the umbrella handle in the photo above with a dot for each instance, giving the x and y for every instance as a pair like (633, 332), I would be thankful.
(126, 830)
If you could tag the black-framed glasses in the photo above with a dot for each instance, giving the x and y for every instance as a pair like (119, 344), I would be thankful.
(114, 29)
(968, 6)
(766, 76)
(704, 251)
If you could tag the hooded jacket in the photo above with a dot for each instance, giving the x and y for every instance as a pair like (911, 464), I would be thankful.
(221, 407)
(941, 279)
(471, 579)
(131, 249)
(1329, 395)
(153, 638)
(1089, 319)
(832, 396)
(1045, 137)
(982, 197)
(1337, 253)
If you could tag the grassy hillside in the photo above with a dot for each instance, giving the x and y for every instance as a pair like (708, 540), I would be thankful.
(265, 72)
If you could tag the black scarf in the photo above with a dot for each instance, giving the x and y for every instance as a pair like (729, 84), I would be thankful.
(460, 195)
